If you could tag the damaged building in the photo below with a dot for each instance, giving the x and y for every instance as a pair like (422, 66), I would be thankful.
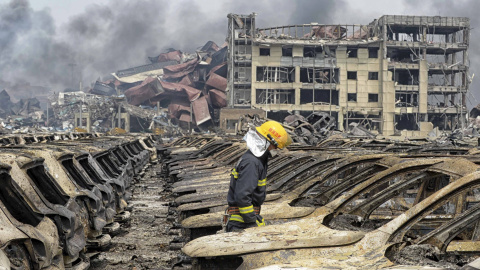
(398, 75)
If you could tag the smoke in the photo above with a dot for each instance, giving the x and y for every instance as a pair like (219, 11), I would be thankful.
(104, 38)
(27, 47)
(118, 34)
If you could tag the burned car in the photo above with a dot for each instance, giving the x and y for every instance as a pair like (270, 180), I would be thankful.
(369, 238)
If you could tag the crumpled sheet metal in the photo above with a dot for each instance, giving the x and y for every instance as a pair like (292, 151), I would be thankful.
(210, 46)
(220, 69)
(188, 81)
(190, 92)
(185, 117)
(104, 89)
(177, 107)
(218, 98)
(361, 33)
(217, 82)
(200, 110)
(180, 70)
(139, 77)
(293, 236)
(149, 88)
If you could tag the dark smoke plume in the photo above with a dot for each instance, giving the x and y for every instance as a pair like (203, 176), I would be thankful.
(104, 38)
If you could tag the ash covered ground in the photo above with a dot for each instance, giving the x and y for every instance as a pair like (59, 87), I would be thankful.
(143, 242)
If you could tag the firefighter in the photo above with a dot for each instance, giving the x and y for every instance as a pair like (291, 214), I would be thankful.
(248, 180)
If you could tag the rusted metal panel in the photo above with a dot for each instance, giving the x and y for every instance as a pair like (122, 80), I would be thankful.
(217, 81)
(200, 110)
(185, 117)
(176, 88)
(217, 98)
(180, 70)
(187, 80)
(139, 94)
(210, 46)
(219, 70)
(176, 108)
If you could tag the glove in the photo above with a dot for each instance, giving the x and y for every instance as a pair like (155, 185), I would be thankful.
(260, 221)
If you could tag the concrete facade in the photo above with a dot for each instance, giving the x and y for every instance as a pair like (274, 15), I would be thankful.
(398, 75)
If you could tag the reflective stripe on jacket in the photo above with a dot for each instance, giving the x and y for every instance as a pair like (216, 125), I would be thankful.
(248, 186)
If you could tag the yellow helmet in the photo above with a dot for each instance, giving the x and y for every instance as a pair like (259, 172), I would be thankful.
(275, 134)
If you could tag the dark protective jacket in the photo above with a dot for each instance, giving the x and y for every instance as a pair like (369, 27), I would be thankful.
(248, 186)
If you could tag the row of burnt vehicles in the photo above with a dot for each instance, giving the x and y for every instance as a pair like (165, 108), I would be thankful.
(344, 204)
(64, 194)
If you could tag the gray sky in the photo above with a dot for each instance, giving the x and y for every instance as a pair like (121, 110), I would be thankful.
(103, 36)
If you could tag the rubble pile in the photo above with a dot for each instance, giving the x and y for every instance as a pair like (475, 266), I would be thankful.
(311, 129)
(190, 86)
(186, 90)
(308, 130)
(22, 114)
(66, 105)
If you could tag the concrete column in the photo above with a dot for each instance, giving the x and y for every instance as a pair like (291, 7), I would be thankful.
(423, 87)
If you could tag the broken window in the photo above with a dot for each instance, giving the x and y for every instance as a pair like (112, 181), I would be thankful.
(75, 174)
(264, 51)
(243, 49)
(373, 76)
(312, 51)
(406, 77)
(47, 186)
(15, 204)
(370, 122)
(320, 75)
(406, 121)
(287, 50)
(443, 101)
(352, 53)
(276, 74)
(308, 96)
(372, 97)
(351, 75)
(92, 173)
(352, 97)
(445, 80)
(402, 34)
(372, 52)
(406, 99)
(242, 95)
(231, 123)
(404, 56)
(275, 96)
(243, 74)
